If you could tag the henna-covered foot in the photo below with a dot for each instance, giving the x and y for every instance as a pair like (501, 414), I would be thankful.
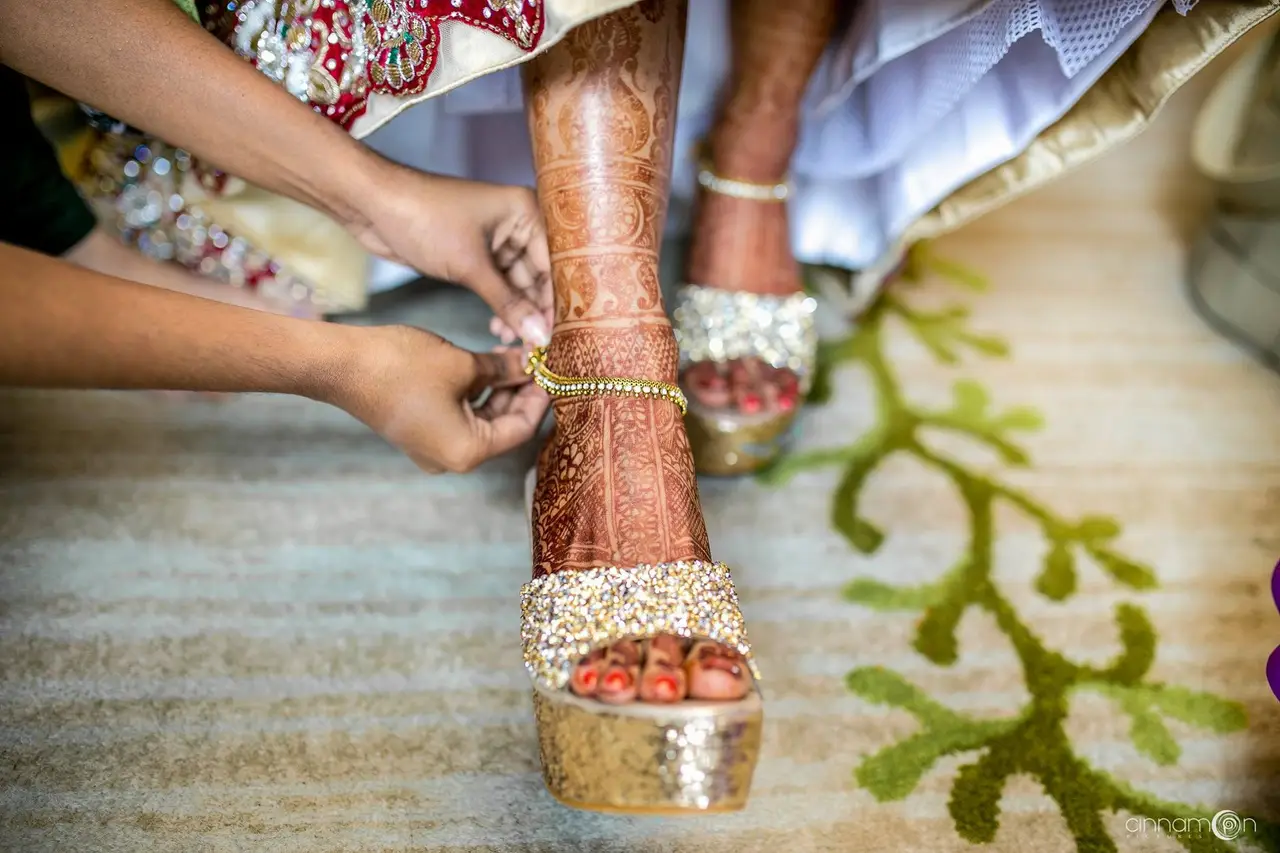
(743, 244)
(616, 484)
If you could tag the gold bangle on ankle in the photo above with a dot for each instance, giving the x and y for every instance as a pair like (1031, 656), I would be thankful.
(712, 182)
(599, 386)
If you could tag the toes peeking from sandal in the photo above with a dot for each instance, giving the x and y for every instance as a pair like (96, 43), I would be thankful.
(585, 678)
(619, 684)
(663, 678)
(715, 672)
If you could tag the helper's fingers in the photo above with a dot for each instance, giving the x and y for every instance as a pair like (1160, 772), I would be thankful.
(518, 424)
(521, 251)
(535, 283)
(502, 368)
(537, 255)
(514, 307)
(499, 403)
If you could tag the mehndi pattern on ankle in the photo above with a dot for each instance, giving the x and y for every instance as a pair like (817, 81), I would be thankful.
(599, 386)
(567, 614)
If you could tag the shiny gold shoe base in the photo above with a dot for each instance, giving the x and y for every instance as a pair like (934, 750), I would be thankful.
(726, 443)
(721, 326)
(681, 759)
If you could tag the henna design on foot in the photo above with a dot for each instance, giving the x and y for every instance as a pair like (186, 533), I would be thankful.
(616, 484)
(740, 244)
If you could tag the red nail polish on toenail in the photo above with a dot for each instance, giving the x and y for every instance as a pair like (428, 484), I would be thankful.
(665, 686)
(589, 678)
(750, 403)
(616, 681)
(786, 403)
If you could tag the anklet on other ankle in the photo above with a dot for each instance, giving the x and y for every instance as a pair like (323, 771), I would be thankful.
(710, 181)
(599, 386)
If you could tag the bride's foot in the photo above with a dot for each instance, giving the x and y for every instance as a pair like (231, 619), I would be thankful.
(746, 329)
(743, 245)
(616, 480)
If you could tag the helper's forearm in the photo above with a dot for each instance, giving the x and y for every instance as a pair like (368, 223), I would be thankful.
(66, 327)
(148, 64)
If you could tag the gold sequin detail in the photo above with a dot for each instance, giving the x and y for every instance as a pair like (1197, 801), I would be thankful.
(716, 325)
(648, 759)
(567, 614)
(599, 386)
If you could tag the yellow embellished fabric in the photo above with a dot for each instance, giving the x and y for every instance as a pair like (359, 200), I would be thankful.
(1116, 110)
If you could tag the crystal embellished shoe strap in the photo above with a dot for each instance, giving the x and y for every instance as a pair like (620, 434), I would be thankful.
(717, 325)
(599, 386)
(564, 616)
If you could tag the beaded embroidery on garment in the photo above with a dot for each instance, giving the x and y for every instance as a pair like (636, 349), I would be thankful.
(334, 54)
(143, 190)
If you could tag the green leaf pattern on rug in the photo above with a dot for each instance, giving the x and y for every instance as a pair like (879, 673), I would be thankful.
(1035, 742)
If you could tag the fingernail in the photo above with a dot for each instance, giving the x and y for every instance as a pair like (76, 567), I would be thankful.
(534, 330)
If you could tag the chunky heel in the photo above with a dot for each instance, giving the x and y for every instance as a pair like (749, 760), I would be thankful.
(648, 759)
(685, 757)
(638, 758)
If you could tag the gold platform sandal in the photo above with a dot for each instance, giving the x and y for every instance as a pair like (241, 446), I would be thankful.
(720, 326)
(693, 757)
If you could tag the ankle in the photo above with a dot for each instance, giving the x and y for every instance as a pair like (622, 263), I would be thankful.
(624, 349)
(754, 146)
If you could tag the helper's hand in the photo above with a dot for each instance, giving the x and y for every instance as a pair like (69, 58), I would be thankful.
(415, 389)
(486, 237)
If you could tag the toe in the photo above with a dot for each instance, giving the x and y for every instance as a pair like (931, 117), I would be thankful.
(716, 672)
(663, 679)
(770, 390)
(620, 680)
(585, 679)
(747, 387)
(788, 390)
(707, 385)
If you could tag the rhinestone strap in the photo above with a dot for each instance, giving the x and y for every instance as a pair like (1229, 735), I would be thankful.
(598, 386)
(712, 182)
(717, 325)
(567, 614)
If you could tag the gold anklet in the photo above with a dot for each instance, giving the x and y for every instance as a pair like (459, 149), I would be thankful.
(712, 182)
(595, 386)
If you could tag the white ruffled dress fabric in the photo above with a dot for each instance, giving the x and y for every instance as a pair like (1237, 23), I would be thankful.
(919, 97)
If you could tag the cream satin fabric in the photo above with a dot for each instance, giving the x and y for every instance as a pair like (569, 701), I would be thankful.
(1115, 110)
(1119, 107)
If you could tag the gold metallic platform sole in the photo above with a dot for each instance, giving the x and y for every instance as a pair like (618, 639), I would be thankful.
(730, 444)
(690, 758)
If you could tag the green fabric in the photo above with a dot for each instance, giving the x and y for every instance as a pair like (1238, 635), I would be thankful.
(39, 207)
(1033, 743)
